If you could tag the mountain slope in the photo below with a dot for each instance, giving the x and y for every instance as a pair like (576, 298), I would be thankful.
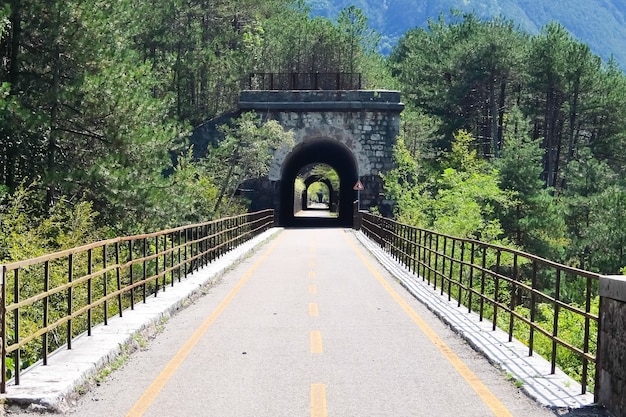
(599, 23)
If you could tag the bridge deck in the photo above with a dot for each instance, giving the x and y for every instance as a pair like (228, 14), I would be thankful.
(309, 325)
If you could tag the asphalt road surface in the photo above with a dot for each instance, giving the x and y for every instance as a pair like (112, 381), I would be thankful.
(309, 325)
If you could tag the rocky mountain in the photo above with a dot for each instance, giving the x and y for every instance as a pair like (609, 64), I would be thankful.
(599, 23)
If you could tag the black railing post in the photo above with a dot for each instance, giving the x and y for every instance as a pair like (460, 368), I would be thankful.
(105, 304)
(156, 265)
(497, 291)
(513, 297)
(533, 302)
(172, 261)
(451, 273)
(70, 278)
(461, 267)
(178, 240)
(118, 277)
(555, 323)
(587, 335)
(432, 270)
(414, 249)
(130, 274)
(164, 261)
(46, 304)
(483, 277)
(16, 326)
(471, 280)
(357, 218)
(443, 264)
(89, 289)
(145, 270)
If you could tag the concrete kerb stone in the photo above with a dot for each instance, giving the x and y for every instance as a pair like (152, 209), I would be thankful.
(557, 391)
(53, 387)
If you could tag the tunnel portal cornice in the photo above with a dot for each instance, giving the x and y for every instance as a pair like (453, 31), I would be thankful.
(313, 100)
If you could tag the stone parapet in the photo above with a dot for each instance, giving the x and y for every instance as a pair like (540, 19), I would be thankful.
(611, 357)
(314, 100)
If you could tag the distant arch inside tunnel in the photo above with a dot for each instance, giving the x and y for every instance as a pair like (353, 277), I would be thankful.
(318, 179)
(318, 151)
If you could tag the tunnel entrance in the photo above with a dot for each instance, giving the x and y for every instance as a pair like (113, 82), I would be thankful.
(301, 162)
(318, 186)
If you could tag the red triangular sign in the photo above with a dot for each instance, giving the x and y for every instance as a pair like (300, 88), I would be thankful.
(358, 186)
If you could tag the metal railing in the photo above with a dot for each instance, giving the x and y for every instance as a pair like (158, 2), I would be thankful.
(59, 296)
(550, 307)
(303, 81)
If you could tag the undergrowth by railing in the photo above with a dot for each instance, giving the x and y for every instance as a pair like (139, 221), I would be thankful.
(550, 307)
(49, 300)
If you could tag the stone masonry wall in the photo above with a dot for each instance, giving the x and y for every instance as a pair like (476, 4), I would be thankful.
(365, 122)
(611, 357)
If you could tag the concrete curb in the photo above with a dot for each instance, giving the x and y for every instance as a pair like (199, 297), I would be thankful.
(51, 388)
(557, 391)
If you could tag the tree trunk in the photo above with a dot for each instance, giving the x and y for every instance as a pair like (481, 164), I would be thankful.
(51, 167)
(225, 183)
(12, 155)
(494, 117)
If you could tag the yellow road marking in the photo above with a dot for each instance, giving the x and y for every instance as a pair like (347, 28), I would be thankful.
(311, 274)
(316, 342)
(311, 264)
(313, 310)
(166, 374)
(312, 289)
(477, 385)
(318, 400)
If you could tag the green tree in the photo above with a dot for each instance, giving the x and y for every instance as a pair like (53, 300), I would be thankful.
(406, 185)
(244, 154)
(596, 214)
(466, 73)
(467, 194)
(535, 220)
(327, 172)
(607, 133)
(563, 75)
(359, 37)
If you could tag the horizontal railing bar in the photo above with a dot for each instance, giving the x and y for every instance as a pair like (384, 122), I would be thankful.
(64, 253)
(547, 262)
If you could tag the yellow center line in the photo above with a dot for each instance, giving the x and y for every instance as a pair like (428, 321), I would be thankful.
(318, 400)
(313, 310)
(311, 274)
(148, 397)
(311, 264)
(477, 385)
(316, 342)
(312, 289)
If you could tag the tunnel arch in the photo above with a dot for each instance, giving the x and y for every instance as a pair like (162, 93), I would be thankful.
(318, 178)
(318, 151)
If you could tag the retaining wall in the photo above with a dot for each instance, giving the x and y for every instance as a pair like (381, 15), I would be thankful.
(611, 358)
